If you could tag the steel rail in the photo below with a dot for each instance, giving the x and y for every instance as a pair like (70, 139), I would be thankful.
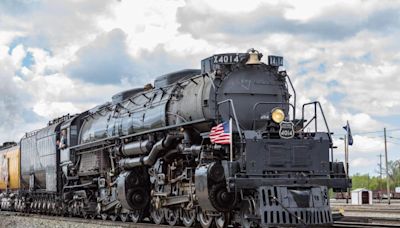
(361, 225)
(100, 222)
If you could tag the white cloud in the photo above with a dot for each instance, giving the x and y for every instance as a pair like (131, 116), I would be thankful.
(345, 54)
(148, 23)
(362, 163)
(49, 109)
(17, 55)
(7, 36)
(367, 144)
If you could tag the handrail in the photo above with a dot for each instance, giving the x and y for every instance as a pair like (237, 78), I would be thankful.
(315, 103)
(234, 115)
(273, 102)
(294, 96)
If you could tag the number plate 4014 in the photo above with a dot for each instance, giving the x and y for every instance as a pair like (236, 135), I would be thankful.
(226, 59)
(286, 130)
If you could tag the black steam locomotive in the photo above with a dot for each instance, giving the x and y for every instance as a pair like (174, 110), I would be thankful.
(216, 146)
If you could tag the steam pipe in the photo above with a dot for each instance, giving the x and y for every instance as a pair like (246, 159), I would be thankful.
(136, 148)
(186, 137)
(129, 163)
(194, 149)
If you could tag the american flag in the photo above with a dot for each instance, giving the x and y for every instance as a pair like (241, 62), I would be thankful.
(221, 134)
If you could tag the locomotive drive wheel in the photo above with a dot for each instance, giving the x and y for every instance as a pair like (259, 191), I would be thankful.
(205, 219)
(138, 197)
(172, 216)
(222, 221)
(104, 216)
(84, 214)
(124, 217)
(136, 216)
(247, 211)
(113, 217)
(188, 217)
(157, 215)
(221, 199)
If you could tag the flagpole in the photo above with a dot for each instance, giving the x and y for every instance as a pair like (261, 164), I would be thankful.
(347, 147)
(230, 139)
(346, 161)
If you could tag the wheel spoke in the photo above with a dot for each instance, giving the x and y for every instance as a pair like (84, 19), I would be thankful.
(113, 217)
(171, 216)
(222, 221)
(136, 216)
(124, 217)
(104, 216)
(158, 216)
(205, 220)
(188, 217)
(247, 211)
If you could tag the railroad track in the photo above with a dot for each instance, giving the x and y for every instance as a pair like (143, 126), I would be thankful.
(361, 225)
(356, 221)
(373, 210)
(346, 221)
(82, 221)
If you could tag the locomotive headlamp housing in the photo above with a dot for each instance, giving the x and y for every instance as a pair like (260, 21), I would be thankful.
(277, 115)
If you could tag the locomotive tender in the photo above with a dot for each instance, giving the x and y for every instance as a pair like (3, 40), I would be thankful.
(148, 155)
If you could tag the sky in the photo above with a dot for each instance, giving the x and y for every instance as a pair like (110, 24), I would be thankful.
(59, 57)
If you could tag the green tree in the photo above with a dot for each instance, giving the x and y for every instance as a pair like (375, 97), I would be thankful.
(394, 173)
(375, 183)
(361, 181)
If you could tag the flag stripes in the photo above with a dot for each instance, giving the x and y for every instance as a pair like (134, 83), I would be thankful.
(221, 134)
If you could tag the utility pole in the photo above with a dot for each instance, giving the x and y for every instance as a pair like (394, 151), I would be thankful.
(380, 166)
(387, 168)
(380, 171)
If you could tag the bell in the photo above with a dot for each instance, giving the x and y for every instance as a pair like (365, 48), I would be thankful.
(253, 57)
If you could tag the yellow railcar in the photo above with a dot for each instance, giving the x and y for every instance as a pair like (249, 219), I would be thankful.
(9, 166)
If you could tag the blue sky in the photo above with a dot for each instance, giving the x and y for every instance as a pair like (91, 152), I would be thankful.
(71, 55)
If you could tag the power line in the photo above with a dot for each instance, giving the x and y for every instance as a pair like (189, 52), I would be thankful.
(366, 132)
(393, 137)
(375, 137)
(398, 129)
(382, 137)
(393, 142)
(372, 132)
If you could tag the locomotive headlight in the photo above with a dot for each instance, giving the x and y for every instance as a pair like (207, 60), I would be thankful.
(277, 115)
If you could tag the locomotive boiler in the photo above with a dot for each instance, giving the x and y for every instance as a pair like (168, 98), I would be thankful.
(216, 146)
